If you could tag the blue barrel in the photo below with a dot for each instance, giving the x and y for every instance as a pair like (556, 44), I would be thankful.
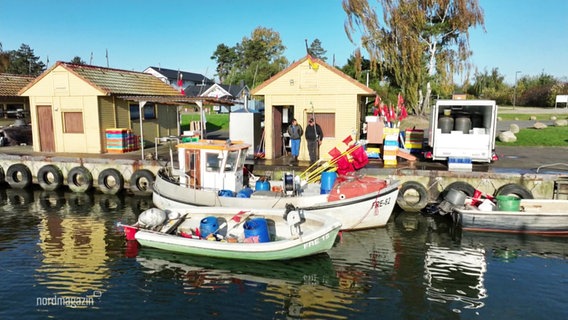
(208, 226)
(245, 193)
(262, 185)
(257, 227)
(327, 181)
(226, 193)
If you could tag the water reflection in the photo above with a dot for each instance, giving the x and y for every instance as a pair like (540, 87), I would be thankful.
(296, 289)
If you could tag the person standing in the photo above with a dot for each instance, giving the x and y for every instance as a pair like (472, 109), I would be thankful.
(295, 131)
(314, 136)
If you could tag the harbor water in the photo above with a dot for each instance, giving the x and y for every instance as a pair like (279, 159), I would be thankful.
(63, 257)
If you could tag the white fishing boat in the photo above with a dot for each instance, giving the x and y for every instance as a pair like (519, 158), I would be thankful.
(255, 234)
(210, 173)
(529, 216)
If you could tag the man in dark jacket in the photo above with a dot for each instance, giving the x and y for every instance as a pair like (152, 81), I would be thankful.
(313, 135)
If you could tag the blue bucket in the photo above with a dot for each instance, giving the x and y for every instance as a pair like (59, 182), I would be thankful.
(226, 193)
(257, 227)
(327, 181)
(244, 193)
(208, 226)
(262, 185)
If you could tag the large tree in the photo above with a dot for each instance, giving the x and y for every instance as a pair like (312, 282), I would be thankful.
(418, 41)
(4, 60)
(226, 58)
(24, 61)
(257, 58)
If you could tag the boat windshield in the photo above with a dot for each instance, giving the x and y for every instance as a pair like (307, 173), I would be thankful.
(232, 160)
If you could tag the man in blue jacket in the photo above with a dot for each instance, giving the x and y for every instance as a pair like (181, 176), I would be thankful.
(295, 131)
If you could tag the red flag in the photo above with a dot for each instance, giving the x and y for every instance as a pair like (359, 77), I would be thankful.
(237, 217)
(344, 166)
(377, 100)
(348, 140)
(334, 153)
(180, 80)
(360, 158)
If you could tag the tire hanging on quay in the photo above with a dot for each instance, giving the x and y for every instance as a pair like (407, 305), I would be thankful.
(50, 177)
(19, 176)
(110, 181)
(412, 196)
(514, 189)
(141, 182)
(79, 179)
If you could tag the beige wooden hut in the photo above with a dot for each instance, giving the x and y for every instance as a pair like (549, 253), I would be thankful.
(72, 106)
(312, 88)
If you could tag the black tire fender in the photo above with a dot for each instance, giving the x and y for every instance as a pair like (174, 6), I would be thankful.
(142, 182)
(2, 175)
(514, 189)
(79, 179)
(19, 176)
(110, 181)
(465, 187)
(50, 177)
(412, 206)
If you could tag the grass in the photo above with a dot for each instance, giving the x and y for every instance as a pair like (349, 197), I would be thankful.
(214, 121)
(547, 137)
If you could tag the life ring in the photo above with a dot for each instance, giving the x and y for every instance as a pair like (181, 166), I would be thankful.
(110, 181)
(141, 182)
(79, 179)
(514, 189)
(464, 187)
(51, 201)
(19, 176)
(412, 205)
(50, 177)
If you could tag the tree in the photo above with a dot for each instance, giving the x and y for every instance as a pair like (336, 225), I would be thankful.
(226, 58)
(317, 51)
(418, 41)
(24, 61)
(256, 58)
(4, 60)
(78, 60)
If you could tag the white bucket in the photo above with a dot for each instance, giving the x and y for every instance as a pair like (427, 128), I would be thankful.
(486, 205)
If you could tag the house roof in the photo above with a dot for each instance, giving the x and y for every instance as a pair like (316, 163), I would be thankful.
(114, 81)
(187, 76)
(322, 64)
(11, 84)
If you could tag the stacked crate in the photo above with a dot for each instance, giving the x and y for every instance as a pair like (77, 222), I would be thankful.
(413, 140)
(121, 140)
(390, 146)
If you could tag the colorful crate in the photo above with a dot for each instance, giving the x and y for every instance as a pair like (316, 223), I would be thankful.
(119, 140)
(414, 140)
(390, 146)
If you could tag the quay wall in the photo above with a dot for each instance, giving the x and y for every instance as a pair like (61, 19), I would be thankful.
(126, 167)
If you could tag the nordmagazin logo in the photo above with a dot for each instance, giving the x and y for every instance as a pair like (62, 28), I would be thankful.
(69, 301)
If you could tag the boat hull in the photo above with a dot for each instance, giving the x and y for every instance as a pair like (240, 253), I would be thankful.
(546, 217)
(318, 236)
(370, 210)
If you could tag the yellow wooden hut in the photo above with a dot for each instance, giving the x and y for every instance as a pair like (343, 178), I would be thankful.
(310, 88)
(72, 107)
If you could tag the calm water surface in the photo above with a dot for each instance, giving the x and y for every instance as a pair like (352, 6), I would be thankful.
(62, 257)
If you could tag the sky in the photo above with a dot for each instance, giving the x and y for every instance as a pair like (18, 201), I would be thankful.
(521, 37)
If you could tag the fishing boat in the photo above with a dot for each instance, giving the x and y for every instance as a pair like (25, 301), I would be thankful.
(527, 216)
(210, 173)
(256, 234)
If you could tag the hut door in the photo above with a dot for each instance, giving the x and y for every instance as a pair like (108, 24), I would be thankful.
(45, 129)
(277, 132)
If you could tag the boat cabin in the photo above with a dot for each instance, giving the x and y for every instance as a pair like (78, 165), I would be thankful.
(212, 164)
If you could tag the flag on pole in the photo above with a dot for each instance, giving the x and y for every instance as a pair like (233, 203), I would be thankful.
(313, 64)
(180, 82)
(377, 100)
(348, 140)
